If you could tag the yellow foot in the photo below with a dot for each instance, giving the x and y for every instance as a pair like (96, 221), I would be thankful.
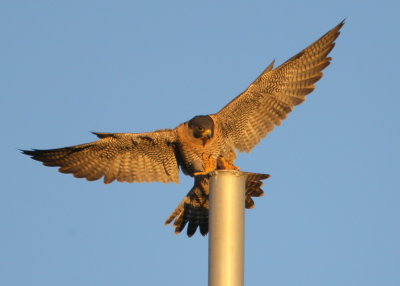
(226, 165)
(210, 165)
(202, 173)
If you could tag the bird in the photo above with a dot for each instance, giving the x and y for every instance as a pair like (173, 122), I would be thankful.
(204, 143)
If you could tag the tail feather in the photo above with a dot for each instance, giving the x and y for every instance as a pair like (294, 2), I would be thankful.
(193, 209)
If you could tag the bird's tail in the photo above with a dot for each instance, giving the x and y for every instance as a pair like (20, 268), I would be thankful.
(193, 209)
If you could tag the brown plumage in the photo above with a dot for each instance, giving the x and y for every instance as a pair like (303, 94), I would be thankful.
(202, 144)
(193, 209)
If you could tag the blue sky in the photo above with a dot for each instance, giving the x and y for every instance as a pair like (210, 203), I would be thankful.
(330, 215)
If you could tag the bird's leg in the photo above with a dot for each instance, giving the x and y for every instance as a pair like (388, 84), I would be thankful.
(227, 164)
(210, 165)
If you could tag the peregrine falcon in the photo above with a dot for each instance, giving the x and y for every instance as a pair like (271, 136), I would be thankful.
(202, 144)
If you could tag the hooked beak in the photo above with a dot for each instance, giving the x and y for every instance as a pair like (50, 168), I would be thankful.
(207, 133)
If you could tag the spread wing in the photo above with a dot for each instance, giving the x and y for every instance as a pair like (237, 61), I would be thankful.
(271, 97)
(126, 157)
(193, 209)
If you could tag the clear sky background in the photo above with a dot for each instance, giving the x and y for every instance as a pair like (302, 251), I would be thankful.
(330, 215)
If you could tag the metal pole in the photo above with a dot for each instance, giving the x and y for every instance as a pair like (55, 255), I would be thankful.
(226, 226)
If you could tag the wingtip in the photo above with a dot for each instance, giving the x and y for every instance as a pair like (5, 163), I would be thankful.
(97, 134)
(28, 152)
(270, 66)
(103, 134)
(340, 25)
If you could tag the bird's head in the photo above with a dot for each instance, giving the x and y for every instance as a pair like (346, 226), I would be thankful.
(202, 127)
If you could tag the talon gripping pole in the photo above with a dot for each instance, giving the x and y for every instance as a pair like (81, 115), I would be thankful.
(226, 228)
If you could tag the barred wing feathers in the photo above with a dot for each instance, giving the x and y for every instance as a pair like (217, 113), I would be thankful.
(126, 157)
(271, 97)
